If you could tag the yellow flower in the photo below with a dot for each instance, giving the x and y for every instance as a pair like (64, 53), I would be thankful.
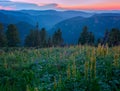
(55, 83)
(86, 67)
(74, 69)
(93, 67)
(116, 61)
(68, 72)
(35, 89)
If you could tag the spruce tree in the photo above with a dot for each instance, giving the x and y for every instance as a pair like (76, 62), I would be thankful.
(12, 36)
(84, 36)
(43, 35)
(37, 37)
(33, 39)
(3, 40)
(114, 37)
(57, 38)
(49, 42)
(99, 41)
(30, 39)
(105, 38)
(91, 38)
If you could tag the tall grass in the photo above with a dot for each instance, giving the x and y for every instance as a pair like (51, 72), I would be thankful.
(74, 68)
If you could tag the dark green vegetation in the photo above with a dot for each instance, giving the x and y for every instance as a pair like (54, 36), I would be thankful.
(2, 36)
(12, 36)
(70, 68)
(70, 22)
(86, 37)
(75, 68)
(40, 38)
(35, 38)
(25, 20)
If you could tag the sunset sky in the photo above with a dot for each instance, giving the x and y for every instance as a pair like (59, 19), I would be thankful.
(60, 4)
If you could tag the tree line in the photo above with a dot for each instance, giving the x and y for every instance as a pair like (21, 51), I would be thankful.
(112, 37)
(35, 38)
(40, 38)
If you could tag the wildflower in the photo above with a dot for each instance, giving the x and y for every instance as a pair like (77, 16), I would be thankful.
(55, 83)
(86, 66)
(116, 61)
(93, 67)
(99, 49)
(74, 69)
(27, 88)
(60, 81)
(5, 64)
(68, 72)
(35, 89)
(107, 49)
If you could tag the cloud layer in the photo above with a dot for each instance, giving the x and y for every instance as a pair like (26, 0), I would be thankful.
(60, 4)
(10, 5)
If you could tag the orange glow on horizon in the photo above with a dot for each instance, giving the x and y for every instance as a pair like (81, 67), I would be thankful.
(109, 6)
(62, 4)
(6, 8)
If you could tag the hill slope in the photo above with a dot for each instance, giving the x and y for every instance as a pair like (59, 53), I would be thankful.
(71, 22)
(25, 20)
(97, 24)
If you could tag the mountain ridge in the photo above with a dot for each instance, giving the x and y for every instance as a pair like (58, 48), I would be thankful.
(72, 21)
(97, 24)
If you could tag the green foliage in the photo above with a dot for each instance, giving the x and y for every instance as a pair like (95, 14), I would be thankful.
(43, 34)
(29, 40)
(57, 39)
(12, 36)
(114, 37)
(91, 37)
(74, 68)
(40, 39)
(3, 40)
(49, 42)
(86, 37)
(33, 39)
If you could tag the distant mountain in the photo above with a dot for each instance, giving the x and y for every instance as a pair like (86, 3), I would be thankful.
(64, 14)
(25, 20)
(46, 18)
(97, 24)
(71, 22)
(13, 17)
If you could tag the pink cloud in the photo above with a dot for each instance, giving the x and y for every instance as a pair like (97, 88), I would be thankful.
(63, 4)
(97, 6)
(6, 8)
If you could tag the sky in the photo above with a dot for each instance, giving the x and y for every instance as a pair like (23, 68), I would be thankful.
(60, 4)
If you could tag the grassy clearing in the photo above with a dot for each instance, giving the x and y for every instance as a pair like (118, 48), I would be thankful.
(75, 68)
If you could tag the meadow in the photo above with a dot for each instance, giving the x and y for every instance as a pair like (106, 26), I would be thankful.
(74, 68)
